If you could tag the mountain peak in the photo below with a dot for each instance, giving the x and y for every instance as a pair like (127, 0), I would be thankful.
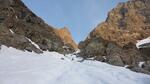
(65, 35)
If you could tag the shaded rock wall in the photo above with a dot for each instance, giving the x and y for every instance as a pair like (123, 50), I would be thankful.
(18, 24)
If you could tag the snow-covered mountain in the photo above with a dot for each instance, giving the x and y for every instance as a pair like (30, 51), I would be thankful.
(18, 67)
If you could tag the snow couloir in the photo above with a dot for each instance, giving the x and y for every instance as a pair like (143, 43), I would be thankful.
(18, 67)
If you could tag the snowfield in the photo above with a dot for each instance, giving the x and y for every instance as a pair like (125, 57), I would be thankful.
(18, 67)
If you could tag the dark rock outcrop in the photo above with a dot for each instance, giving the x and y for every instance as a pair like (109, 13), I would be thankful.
(19, 28)
(114, 41)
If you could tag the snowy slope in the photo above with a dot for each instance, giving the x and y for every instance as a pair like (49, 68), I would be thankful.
(18, 67)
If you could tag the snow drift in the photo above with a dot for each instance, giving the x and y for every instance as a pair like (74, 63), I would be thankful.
(143, 43)
(18, 67)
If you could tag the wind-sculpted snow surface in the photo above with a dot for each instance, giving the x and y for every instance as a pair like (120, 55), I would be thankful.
(18, 67)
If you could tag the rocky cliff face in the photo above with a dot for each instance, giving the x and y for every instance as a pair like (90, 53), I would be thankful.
(113, 41)
(65, 35)
(22, 29)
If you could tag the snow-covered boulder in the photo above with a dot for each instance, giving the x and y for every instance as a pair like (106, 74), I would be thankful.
(145, 43)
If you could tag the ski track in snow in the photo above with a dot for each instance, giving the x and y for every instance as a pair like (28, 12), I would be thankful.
(18, 67)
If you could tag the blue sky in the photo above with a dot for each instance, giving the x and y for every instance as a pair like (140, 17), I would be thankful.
(80, 16)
